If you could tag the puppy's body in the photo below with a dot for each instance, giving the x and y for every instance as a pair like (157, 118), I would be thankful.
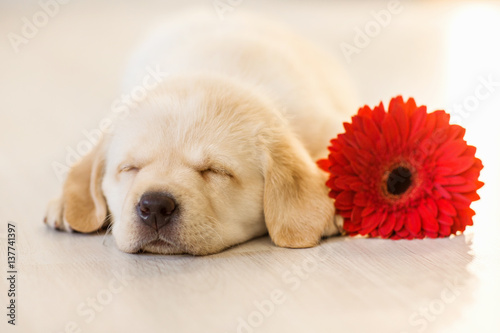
(227, 142)
(304, 84)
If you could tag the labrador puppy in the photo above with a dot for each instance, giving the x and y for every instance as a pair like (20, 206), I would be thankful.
(222, 150)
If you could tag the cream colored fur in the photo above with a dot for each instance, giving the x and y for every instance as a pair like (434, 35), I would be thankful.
(232, 134)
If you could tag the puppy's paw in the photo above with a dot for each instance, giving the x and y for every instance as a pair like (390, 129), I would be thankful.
(339, 224)
(336, 227)
(54, 215)
(290, 238)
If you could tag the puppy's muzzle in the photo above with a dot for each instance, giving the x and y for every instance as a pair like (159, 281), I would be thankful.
(155, 209)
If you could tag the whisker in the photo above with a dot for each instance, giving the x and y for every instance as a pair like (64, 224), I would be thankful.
(215, 221)
(108, 228)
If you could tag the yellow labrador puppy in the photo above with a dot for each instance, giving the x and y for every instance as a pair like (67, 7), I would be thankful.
(222, 151)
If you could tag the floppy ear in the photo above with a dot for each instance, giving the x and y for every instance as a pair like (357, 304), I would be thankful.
(297, 209)
(84, 205)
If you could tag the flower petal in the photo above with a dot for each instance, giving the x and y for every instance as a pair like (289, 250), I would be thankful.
(356, 217)
(363, 141)
(344, 200)
(387, 226)
(468, 187)
(399, 113)
(432, 206)
(445, 219)
(365, 112)
(323, 164)
(371, 129)
(367, 211)
(444, 230)
(446, 207)
(450, 180)
(413, 222)
(456, 132)
(458, 165)
(351, 228)
(391, 131)
(416, 121)
(379, 114)
(403, 233)
(429, 222)
(361, 199)
(441, 191)
(369, 223)
(400, 220)
(451, 149)
(460, 200)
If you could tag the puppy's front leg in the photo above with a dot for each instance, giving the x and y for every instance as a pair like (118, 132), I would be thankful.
(54, 215)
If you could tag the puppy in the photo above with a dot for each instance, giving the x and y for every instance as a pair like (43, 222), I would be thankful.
(222, 150)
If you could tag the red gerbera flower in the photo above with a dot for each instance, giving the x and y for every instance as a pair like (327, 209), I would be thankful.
(403, 173)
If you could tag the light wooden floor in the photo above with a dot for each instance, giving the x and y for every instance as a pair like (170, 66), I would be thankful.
(65, 79)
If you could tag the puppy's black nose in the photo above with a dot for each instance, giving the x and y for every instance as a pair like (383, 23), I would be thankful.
(155, 209)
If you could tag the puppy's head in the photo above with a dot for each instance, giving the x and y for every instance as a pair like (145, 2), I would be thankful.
(201, 165)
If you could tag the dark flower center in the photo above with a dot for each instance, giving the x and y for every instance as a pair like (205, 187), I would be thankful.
(399, 180)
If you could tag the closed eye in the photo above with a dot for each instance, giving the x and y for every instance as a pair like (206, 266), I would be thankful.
(128, 168)
(218, 171)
